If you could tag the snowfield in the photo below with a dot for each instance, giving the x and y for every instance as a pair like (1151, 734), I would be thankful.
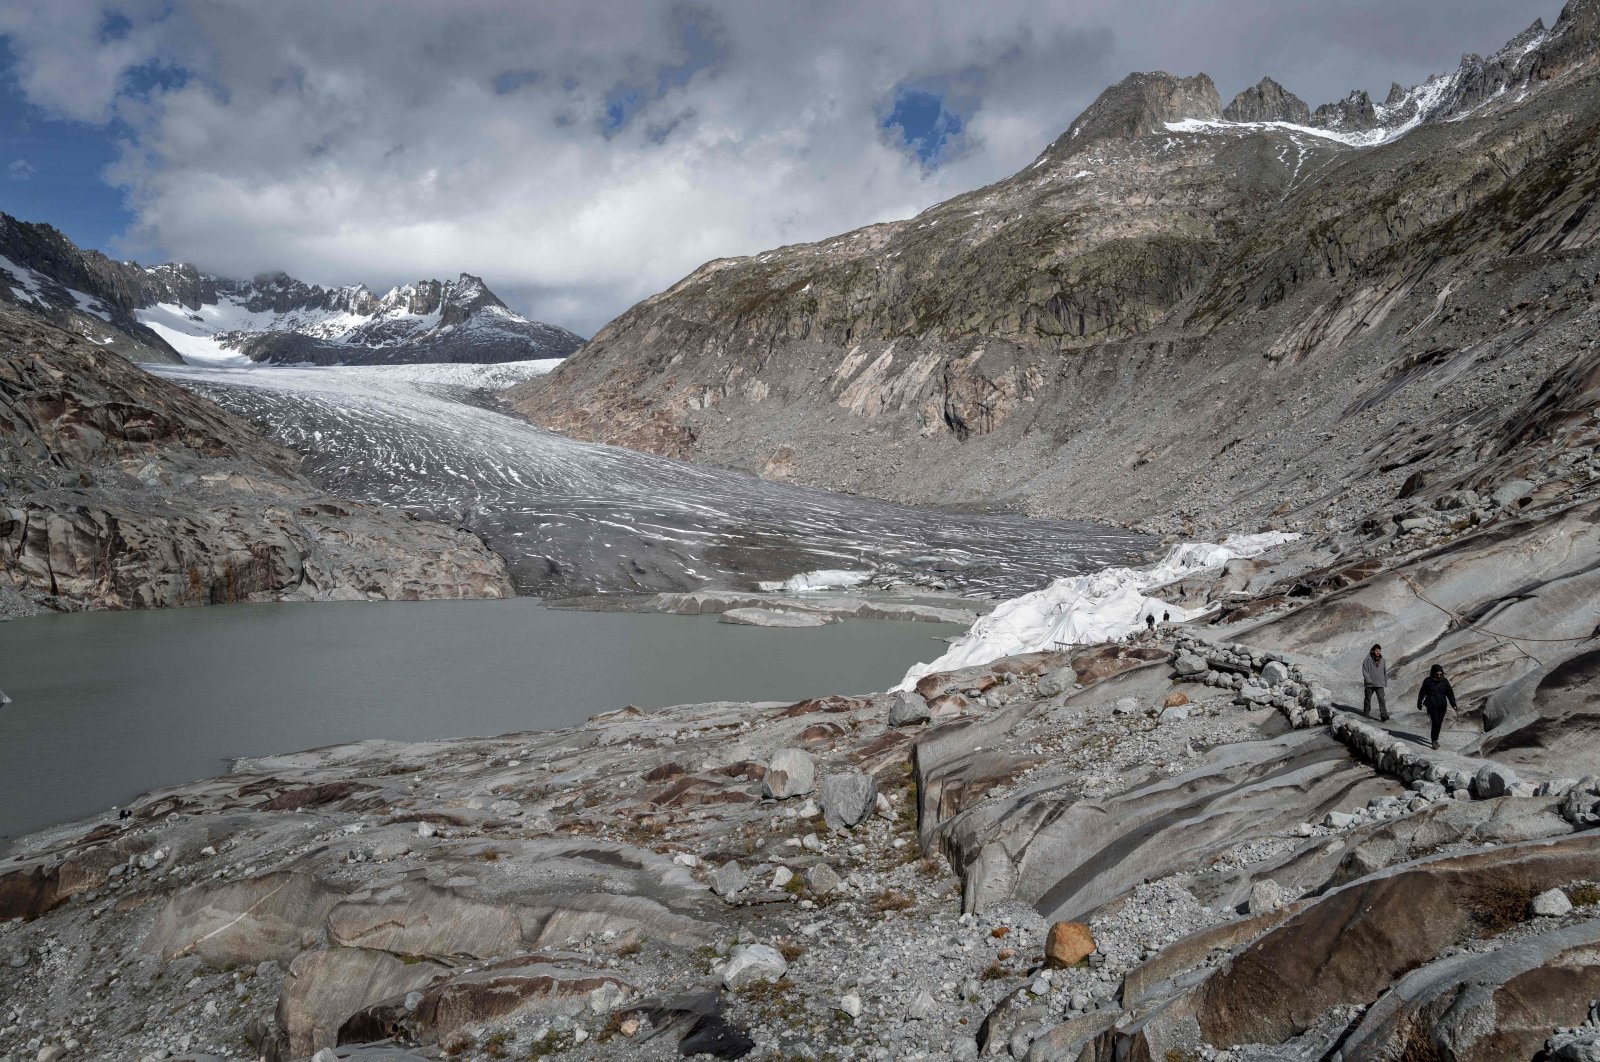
(575, 518)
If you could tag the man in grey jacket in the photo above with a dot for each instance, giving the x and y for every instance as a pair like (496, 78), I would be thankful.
(1375, 680)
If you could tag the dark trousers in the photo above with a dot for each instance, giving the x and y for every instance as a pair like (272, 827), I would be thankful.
(1366, 701)
(1436, 716)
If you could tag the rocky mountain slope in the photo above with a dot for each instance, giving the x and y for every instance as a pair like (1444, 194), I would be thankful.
(173, 312)
(124, 491)
(1180, 313)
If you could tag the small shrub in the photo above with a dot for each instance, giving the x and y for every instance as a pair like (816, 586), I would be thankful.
(1501, 904)
(791, 951)
(889, 900)
(1584, 895)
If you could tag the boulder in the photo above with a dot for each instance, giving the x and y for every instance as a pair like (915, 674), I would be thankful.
(821, 879)
(1189, 664)
(1552, 903)
(1265, 895)
(790, 773)
(1275, 673)
(1494, 780)
(1175, 699)
(1068, 944)
(1507, 495)
(909, 707)
(757, 962)
(729, 878)
(847, 798)
(1058, 682)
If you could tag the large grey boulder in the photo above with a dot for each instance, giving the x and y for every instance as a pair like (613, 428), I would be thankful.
(757, 962)
(908, 707)
(847, 798)
(790, 773)
(1058, 682)
(1509, 494)
(1493, 780)
(1275, 673)
(1190, 664)
(822, 879)
(729, 878)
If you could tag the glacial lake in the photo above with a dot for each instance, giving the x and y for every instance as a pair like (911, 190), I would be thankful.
(107, 705)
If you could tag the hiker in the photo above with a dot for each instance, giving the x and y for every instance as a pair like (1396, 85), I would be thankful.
(1150, 624)
(1434, 696)
(1375, 682)
(1166, 618)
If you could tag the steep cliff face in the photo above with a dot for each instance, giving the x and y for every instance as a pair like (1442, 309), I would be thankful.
(1176, 309)
(124, 491)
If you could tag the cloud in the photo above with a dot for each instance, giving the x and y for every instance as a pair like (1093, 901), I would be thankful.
(583, 155)
(21, 170)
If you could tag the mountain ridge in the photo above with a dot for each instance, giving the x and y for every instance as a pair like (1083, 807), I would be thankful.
(1048, 342)
(172, 311)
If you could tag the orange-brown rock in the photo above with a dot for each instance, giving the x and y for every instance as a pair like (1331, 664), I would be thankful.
(1175, 699)
(1069, 943)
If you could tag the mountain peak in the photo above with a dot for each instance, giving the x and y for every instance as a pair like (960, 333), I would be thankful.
(1268, 101)
(1138, 105)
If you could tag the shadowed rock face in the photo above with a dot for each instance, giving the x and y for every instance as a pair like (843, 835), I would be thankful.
(1064, 338)
(124, 491)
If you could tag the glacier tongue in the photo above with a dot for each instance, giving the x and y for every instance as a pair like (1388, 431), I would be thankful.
(575, 518)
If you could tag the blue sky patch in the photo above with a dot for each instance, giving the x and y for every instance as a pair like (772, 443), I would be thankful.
(53, 171)
(925, 123)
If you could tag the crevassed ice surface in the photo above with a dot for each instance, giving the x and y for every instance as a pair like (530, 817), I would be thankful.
(574, 518)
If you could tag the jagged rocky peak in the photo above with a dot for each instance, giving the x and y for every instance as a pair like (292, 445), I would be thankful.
(1138, 105)
(1268, 101)
(1353, 114)
(467, 296)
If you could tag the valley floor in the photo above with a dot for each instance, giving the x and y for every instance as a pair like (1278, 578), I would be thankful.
(1180, 848)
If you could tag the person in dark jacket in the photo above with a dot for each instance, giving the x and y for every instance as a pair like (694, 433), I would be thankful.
(1434, 697)
(1375, 682)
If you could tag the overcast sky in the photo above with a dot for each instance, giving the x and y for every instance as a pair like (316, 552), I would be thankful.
(583, 155)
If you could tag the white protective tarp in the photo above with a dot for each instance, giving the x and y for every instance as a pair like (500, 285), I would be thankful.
(1084, 609)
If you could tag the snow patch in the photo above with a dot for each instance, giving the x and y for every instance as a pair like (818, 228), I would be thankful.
(1085, 609)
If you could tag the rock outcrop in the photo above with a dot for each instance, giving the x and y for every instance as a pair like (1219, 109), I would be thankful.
(125, 491)
(1267, 101)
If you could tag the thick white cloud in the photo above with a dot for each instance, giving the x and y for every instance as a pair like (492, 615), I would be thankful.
(384, 141)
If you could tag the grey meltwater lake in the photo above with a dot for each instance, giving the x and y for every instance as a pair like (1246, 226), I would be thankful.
(110, 704)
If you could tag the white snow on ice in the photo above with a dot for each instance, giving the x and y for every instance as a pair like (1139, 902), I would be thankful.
(1084, 609)
(824, 579)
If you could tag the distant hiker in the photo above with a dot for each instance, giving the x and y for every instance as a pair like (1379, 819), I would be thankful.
(1150, 624)
(1166, 618)
(1434, 696)
(1375, 682)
